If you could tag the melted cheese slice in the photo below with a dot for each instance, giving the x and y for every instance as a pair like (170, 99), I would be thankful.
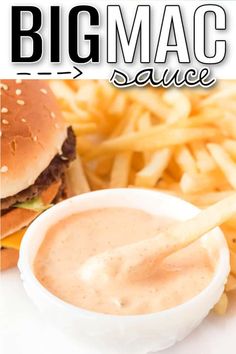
(13, 240)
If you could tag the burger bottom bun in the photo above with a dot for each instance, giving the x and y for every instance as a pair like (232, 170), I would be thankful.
(18, 218)
(8, 258)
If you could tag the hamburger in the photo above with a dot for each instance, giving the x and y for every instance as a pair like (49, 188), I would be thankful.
(36, 150)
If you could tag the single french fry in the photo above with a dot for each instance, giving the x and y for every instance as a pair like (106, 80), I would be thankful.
(122, 161)
(207, 116)
(193, 183)
(231, 283)
(120, 170)
(126, 140)
(173, 137)
(95, 182)
(144, 123)
(103, 166)
(204, 161)
(84, 128)
(76, 178)
(225, 163)
(150, 174)
(169, 137)
(221, 307)
(185, 160)
(230, 147)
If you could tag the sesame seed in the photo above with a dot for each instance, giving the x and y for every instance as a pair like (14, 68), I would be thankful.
(18, 92)
(4, 110)
(57, 125)
(4, 169)
(0, 133)
(4, 121)
(20, 102)
(118, 302)
(59, 149)
(19, 81)
(44, 91)
(53, 115)
(35, 138)
(4, 86)
(23, 120)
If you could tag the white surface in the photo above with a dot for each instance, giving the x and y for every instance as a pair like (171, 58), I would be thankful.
(24, 331)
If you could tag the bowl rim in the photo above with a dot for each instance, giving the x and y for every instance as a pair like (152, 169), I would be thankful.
(221, 270)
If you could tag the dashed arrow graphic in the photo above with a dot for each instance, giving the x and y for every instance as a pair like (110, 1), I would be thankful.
(76, 73)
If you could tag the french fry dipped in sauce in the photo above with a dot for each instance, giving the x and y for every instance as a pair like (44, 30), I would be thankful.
(140, 260)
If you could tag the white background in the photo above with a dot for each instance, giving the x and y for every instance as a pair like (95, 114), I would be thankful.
(226, 69)
(24, 331)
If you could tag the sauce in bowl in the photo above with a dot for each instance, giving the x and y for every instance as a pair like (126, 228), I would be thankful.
(72, 240)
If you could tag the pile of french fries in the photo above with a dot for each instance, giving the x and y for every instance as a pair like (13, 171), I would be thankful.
(178, 141)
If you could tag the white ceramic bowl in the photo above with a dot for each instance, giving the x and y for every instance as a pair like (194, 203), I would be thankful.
(109, 334)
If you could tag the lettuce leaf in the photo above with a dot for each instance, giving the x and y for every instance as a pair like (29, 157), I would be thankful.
(35, 204)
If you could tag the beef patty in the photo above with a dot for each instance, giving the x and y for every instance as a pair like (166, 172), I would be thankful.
(52, 173)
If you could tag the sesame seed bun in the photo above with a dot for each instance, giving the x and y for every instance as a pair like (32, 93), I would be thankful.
(32, 133)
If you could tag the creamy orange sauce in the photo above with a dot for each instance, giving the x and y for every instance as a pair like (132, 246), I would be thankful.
(70, 242)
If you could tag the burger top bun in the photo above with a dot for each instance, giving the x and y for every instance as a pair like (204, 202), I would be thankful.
(32, 133)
